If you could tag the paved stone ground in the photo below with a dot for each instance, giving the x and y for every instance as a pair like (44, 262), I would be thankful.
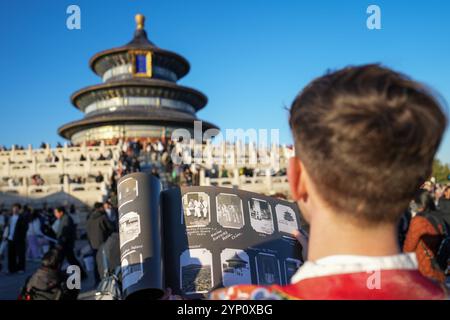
(10, 285)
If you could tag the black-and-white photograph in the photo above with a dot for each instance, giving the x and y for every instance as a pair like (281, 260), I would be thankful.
(290, 268)
(129, 227)
(229, 211)
(261, 216)
(132, 268)
(286, 219)
(196, 273)
(127, 191)
(267, 269)
(196, 209)
(235, 267)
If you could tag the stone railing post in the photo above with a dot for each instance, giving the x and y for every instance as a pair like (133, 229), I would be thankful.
(66, 184)
(62, 163)
(84, 149)
(87, 169)
(236, 178)
(269, 180)
(34, 165)
(65, 150)
(202, 177)
(252, 156)
(12, 154)
(25, 187)
(8, 167)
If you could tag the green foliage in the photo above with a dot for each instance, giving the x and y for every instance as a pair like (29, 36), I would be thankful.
(441, 171)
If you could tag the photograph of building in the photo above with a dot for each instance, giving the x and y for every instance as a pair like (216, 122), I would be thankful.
(286, 219)
(196, 271)
(261, 217)
(235, 267)
(132, 268)
(127, 190)
(267, 269)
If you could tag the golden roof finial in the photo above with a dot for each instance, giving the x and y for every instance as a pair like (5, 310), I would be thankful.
(140, 21)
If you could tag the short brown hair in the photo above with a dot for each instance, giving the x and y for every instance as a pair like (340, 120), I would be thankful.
(367, 136)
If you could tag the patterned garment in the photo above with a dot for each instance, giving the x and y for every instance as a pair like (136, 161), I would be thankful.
(346, 277)
(423, 239)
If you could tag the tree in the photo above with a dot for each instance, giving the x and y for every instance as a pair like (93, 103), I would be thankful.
(441, 171)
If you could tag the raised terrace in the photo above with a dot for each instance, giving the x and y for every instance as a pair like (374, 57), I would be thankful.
(51, 174)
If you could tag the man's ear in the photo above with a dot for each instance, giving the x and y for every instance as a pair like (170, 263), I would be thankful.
(296, 183)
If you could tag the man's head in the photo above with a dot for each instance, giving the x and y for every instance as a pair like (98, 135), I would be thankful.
(16, 208)
(365, 138)
(98, 206)
(447, 193)
(107, 206)
(59, 212)
(52, 259)
(424, 201)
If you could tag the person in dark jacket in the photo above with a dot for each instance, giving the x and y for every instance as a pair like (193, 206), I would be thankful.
(48, 282)
(98, 229)
(16, 236)
(66, 236)
(111, 213)
(444, 201)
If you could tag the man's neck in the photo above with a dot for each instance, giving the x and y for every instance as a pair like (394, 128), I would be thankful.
(332, 235)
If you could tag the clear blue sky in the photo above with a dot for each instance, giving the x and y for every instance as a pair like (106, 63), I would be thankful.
(250, 57)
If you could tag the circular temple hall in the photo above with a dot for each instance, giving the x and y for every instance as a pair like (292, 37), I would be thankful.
(139, 97)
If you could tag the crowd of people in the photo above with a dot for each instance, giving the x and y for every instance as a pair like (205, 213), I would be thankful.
(59, 145)
(159, 152)
(43, 145)
(27, 232)
(49, 236)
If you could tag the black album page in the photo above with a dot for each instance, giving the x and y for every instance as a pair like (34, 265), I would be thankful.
(218, 237)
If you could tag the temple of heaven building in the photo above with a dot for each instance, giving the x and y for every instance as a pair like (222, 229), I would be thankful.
(139, 97)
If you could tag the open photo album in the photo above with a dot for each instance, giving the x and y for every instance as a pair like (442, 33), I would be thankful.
(196, 239)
